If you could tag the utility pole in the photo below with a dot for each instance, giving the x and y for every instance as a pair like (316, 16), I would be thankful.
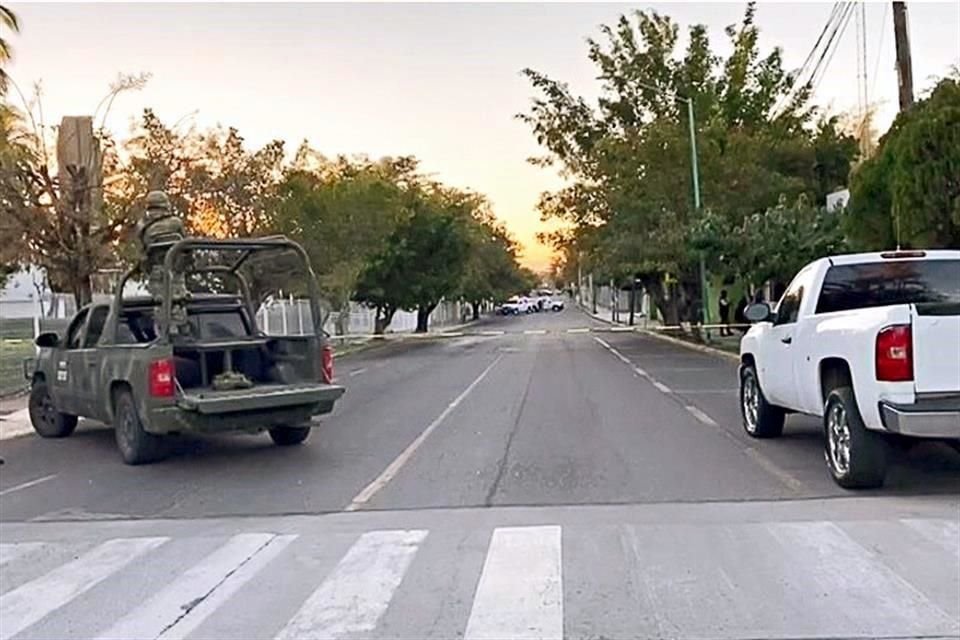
(904, 64)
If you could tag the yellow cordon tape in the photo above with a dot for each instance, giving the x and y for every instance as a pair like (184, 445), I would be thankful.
(532, 332)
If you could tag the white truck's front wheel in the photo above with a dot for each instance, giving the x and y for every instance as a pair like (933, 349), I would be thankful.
(760, 418)
(856, 456)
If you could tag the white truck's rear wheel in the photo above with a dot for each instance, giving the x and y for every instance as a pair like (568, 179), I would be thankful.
(760, 418)
(856, 456)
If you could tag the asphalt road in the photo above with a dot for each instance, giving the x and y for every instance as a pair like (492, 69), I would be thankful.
(483, 456)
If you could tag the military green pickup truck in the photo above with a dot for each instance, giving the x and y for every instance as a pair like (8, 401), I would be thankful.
(187, 355)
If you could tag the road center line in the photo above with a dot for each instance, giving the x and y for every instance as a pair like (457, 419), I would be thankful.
(700, 415)
(622, 358)
(27, 485)
(661, 387)
(535, 332)
(357, 372)
(394, 467)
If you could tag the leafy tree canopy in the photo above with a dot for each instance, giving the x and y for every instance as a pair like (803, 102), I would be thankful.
(908, 194)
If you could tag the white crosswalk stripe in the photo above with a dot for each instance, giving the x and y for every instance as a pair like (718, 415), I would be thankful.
(817, 579)
(354, 597)
(226, 589)
(167, 608)
(946, 534)
(520, 594)
(29, 603)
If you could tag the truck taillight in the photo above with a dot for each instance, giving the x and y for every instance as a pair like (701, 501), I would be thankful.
(895, 353)
(161, 378)
(326, 363)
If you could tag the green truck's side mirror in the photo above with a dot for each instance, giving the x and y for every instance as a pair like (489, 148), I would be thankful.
(48, 339)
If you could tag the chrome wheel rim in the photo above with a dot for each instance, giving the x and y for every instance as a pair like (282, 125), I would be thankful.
(838, 439)
(750, 401)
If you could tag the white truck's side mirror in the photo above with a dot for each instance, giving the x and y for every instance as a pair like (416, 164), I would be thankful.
(758, 312)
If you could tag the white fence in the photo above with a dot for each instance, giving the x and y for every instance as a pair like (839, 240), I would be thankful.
(614, 303)
(292, 317)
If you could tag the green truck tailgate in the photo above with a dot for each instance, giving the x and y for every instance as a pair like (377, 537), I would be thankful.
(260, 397)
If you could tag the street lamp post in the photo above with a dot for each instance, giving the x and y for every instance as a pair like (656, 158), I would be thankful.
(695, 171)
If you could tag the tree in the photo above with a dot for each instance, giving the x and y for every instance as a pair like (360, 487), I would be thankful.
(423, 260)
(491, 271)
(56, 210)
(908, 194)
(219, 187)
(8, 20)
(628, 157)
(342, 211)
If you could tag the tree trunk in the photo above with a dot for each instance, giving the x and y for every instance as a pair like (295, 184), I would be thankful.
(342, 325)
(476, 310)
(668, 308)
(382, 319)
(423, 318)
(81, 291)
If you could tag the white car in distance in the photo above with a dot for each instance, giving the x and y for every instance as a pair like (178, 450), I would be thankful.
(517, 305)
(868, 342)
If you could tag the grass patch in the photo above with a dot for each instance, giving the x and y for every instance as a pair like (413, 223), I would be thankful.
(12, 353)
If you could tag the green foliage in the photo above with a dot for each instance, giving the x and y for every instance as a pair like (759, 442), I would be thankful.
(9, 22)
(219, 187)
(376, 231)
(627, 158)
(342, 211)
(909, 193)
(770, 245)
(424, 258)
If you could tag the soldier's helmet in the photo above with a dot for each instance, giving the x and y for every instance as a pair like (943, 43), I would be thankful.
(160, 224)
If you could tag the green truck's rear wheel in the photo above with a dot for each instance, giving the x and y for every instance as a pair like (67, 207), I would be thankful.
(286, 436)
(135, 444)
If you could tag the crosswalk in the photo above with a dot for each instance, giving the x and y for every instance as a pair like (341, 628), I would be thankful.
(788, 579)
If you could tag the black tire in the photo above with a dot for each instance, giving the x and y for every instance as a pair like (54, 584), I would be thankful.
(46, 420)
(760, 418)
(135, 444)
(288, 436)
(856, 456)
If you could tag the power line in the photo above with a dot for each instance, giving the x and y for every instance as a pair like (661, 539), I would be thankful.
(802, 78)
(832, 45)
(883, 32)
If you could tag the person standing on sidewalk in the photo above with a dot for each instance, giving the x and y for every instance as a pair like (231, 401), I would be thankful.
(724, 305)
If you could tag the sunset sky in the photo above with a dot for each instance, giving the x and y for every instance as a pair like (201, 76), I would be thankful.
(439, 81)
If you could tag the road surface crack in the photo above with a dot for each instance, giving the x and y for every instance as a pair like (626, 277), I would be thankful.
(193, 604)
(502, 467)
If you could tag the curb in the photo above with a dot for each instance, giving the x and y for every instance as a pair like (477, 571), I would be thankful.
(682, 343)
(695, 347)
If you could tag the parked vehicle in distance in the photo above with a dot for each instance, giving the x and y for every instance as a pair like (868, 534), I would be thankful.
(543, 299)
(869, 342)
(515, 306)
(194, 361)
(556, 303)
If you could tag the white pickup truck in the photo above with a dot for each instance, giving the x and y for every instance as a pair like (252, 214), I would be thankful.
(869, 342)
